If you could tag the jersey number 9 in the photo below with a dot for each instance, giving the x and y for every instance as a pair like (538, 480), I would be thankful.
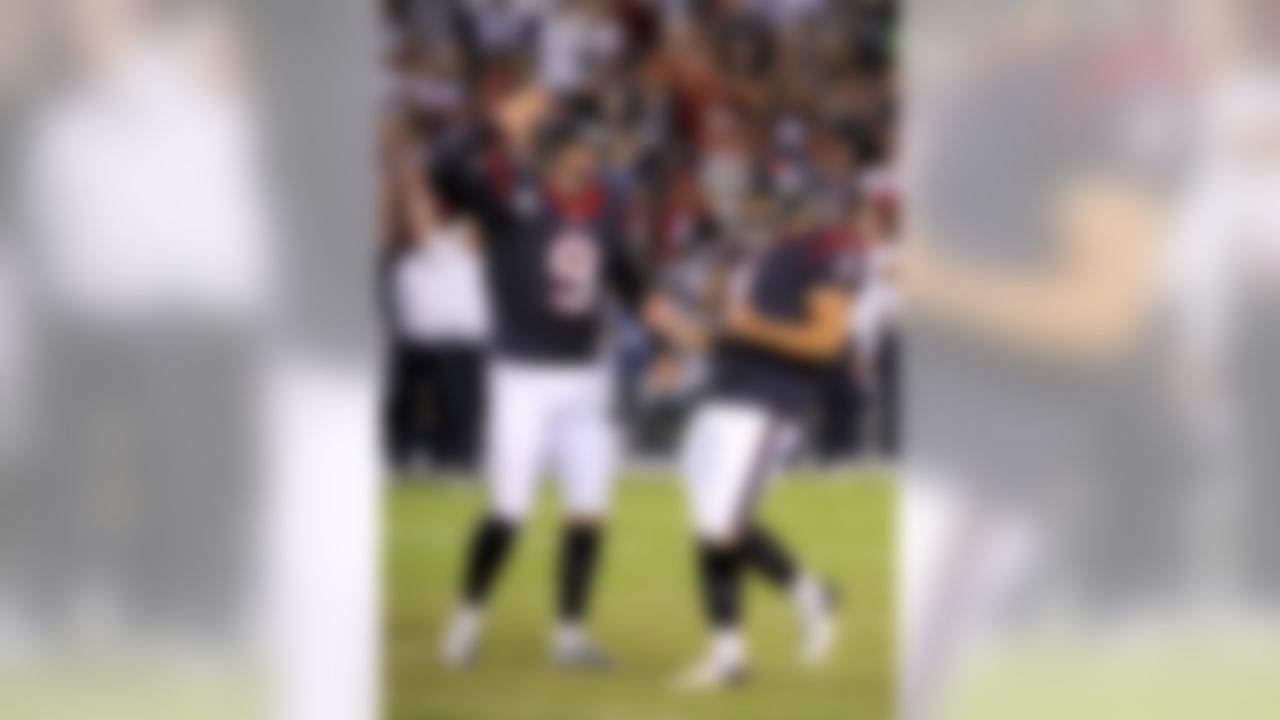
(573, 264)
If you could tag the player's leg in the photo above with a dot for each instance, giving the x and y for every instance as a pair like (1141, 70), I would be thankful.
(763, 552)
(516, 441)
(585, 445)
(725, 662)
(724, 465)
(814, 600)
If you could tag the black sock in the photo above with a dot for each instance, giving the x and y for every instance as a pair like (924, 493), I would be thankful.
(490, 546)
(579, 549)
(721, 595)
(762, 552)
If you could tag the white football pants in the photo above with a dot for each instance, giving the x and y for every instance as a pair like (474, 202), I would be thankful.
(550, 418)
(731, 452)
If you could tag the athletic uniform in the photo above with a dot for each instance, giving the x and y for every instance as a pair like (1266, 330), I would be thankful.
(758, 397)
(551, 262)
(739, 436)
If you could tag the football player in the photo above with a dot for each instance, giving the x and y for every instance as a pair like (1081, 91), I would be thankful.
(556, 254)
(786, 301)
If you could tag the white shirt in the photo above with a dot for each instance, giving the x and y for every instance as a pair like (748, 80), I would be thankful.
(147, 196)
(1227, 240)
(441, 291)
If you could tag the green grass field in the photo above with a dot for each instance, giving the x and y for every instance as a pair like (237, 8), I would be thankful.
(645, 611)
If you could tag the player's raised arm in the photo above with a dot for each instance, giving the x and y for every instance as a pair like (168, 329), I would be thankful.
(459, 175)
(415, 199)
(471, 170)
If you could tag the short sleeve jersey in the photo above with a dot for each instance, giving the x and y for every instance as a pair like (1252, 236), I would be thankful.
(778, 282)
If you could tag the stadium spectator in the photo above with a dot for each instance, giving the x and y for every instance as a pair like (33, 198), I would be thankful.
(441, 315)
(686, 99)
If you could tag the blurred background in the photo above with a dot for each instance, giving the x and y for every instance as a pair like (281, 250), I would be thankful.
(184, 315)
(686, 101)
(1089, 266)
(223, 358)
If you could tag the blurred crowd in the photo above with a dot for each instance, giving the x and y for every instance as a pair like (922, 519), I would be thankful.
(687, 99)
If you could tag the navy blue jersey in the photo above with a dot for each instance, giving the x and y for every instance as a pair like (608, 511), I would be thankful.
(553, 261)
(778, 282)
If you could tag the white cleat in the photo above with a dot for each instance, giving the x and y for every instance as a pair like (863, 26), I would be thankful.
(817, 606)
(713, 673)
(725, 666)
(461, 638)
(571, 650)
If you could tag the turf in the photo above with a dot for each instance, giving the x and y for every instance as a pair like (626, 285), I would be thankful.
(645, 611)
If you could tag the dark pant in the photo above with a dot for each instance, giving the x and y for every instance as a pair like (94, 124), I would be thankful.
(840, 414)
(435, 404)
(456, 426)
(888, 373)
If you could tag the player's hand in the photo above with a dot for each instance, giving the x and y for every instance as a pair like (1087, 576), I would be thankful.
(665, 319)
(740, 318)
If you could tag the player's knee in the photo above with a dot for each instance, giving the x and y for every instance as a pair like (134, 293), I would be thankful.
(587, 508)
(507, 515)
(722, 538)
(585, 521)
(495, 522)
(719, 530)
